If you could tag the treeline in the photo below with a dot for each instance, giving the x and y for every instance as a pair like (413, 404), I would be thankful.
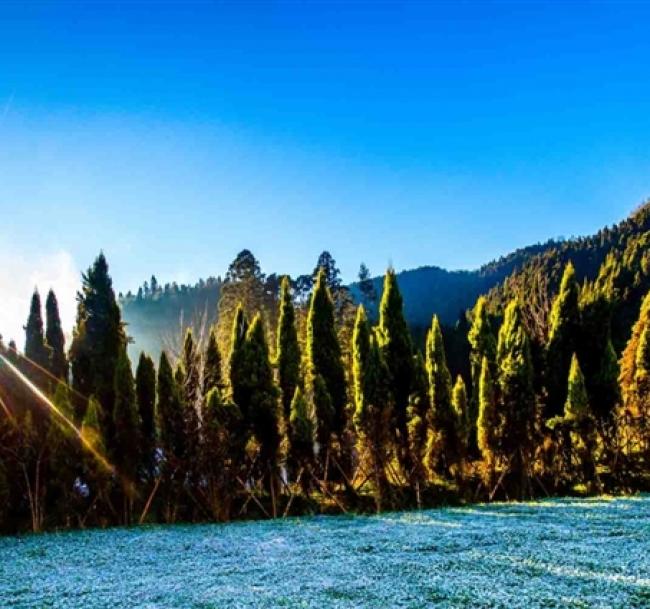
(291, 405)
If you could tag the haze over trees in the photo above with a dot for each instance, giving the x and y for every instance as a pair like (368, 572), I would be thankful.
(304, 395)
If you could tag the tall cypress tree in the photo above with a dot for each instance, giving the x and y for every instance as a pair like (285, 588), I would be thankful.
(126, 441)
(324, 354)
(516, 392)
(145, 389)
(442, 452)
(36, 350)
(398, 350)
(237, 340)
(212, 366)
(564, 328)
(191, 394)
(461, 410)
(260, 396)
(55, 338)
(169, 412)
(488, 425)
(372, 403)
(98, 340)
(301, 434)
(288, 349)
(417, 416)
(483, 345)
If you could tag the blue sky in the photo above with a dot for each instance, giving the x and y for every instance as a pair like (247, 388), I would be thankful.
(174, 135)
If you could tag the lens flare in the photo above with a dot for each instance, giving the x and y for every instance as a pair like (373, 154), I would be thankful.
(60, 415)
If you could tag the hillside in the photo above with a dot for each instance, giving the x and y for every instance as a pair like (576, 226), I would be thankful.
(155, 316)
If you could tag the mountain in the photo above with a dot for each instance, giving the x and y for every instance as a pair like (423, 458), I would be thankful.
(615, 258)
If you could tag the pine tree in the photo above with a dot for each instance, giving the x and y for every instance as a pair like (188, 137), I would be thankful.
(483, 345)
(260, 396)
(127, 446)
(301, 434)
(372, 413)
(212, 366)
(191, 394)
(442, 451)
(169, 414)
(395, 342)
(237, 340)
(488, 425)
(96, 476)
(36, 351)
(222, 452)
(324, 357)
(55, 339)
(288, 349)
(367, 287)
(564, 328)
(417, 413)
(145, 389)
(461, 409)
(517, 398)
(577, 402)
(98, 340)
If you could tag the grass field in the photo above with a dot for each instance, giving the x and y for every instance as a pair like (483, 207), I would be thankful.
(555, 553)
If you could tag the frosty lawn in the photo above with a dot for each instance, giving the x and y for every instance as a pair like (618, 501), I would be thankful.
(556, 553)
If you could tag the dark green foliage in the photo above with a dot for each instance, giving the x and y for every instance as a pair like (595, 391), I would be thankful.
(323, 410)
(237, 340)
(417, 414)
(212, 377)
(36, 351)
(288, 349)
(58, 361)
(372, 414)
(366, 287)
(127, 446)
(324, 354)
(169, 413)
(564, 332)
(145, 389)
(98, 340)
(190, 388)
(395, 342)
(301, 431)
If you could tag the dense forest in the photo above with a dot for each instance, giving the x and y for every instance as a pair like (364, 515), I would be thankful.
(306, 396)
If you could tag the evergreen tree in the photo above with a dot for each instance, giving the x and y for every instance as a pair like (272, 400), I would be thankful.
(58, 364)
(127, 454)
(372, 405)
(260, 396)
(145, 389)
(170, 414)
(324, 357)
(395, 342)
(417, 416)
(36, 351)
(517, 397)
(222, 452)
(461, 409)
(191, 394)
(442, 451)
(564, 328)
(288, 349)
(96, 477)
(488, 424)
(301, 434)
(237, 340)
(367, 287)
(212, 366)
(98, 340)
(483, 345)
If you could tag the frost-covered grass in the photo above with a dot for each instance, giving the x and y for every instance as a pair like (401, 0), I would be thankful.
(556, 553)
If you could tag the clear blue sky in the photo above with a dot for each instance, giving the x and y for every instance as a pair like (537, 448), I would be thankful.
(172, 136)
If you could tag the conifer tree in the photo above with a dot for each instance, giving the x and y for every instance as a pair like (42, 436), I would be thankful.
(55, 339)
(260, 396)
(127, 454)
(237, 340)
(170, 414)
(145, 389)
(461, 409)
(483, 345)
(288, 349)
(442, 451)
(398, 351)
(212, 366)
(222, 452)
(36, 351)
(417, 416)
(98, 340)
(324, 359)
(517, 398)
(191, 394)
(301, 436)
(372, 413)
(488, 425)
(564, 328)
(96, 476)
